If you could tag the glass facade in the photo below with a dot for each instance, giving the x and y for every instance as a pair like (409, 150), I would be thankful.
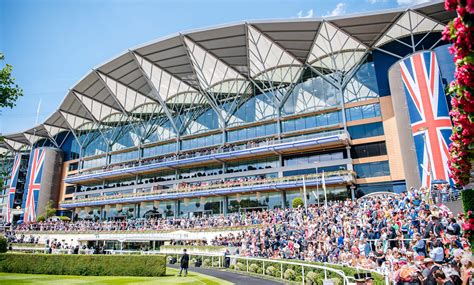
(124, 156)
(363, 112)
(370, 149)
(252, 165)
(252, 132)
(314, 158)
(316, 121)
(159, 150)
(96, 162)
(201, 142)
(372, 169)
(366, 130)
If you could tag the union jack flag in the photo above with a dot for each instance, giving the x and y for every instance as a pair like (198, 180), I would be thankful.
(429, 115)
(33, 178)
(12, 189)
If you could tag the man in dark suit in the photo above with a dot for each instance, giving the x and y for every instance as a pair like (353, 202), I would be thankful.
(184, 263)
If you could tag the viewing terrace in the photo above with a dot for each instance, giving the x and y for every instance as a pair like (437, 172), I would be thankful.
(144, 194)
(268, 146)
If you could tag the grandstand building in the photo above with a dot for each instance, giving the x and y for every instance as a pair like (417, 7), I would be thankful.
(244, 116)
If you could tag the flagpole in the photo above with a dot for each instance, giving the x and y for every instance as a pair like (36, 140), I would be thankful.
(304, 193)
(325, 194)
(26, 210)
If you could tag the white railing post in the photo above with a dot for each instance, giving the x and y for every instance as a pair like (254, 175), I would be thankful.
(281, 271)
(263, 267)
(212, 261)
(247, 265)
(325, 274)
(302, 273)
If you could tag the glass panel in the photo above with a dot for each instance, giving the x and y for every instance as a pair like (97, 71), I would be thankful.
(367, 130)
(372, 169)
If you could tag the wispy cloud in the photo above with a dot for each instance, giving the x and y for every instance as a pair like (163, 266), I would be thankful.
(411, 2)
(308, 14)
(376, 1)
(339, 10)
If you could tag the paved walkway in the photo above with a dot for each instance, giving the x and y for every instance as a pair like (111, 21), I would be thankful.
(236, 278)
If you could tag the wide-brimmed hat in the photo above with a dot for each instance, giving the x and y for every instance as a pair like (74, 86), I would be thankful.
(428, 260)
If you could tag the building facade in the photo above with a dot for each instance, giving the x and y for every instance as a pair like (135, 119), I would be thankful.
(248, 116)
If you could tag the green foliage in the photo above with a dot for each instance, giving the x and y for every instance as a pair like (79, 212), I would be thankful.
(311, 278)
(40, 218)
(468, 200)
(9, 90)
(270, 270)
(289, 274)
(253, 268)
(207, 262)
(94, 265)
(297, 202)
(49, 210)
(3, 244)
(240, 266)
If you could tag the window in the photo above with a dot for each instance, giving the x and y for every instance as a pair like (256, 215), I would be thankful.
(201, 142)
(252, 132)
(313, 158)
(96, 162)
(70, 189)
(265, 163)
(320, 120)
(363, 112)
(124, 156)
(73, 166)
(372, 169)
(366, 150)
(159, 150)
(365, 131)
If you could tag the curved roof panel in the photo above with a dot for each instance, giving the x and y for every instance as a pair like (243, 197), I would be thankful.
(187, 69)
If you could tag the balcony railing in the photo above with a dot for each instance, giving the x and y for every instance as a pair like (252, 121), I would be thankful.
(226, 187)
(217, 153)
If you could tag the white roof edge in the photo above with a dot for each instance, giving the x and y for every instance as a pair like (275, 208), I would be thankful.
(231, 24)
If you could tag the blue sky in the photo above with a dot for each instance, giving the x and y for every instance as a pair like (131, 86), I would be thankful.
(53, 43)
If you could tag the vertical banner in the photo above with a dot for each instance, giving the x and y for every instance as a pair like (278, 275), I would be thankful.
(428, 113)
(12, 189)
(33, 185)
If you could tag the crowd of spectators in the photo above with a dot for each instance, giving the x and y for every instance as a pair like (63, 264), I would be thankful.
(152, 224)
(405, 236)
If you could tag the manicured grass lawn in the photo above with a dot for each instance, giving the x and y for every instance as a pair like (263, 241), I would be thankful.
(170, 278)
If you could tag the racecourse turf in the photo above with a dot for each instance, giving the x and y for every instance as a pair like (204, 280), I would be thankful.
(170, 278)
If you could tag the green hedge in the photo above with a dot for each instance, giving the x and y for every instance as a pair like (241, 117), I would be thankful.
(95, 265)
(468, 200)
(293, 272)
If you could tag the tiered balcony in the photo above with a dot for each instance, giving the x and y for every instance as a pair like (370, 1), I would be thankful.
(221, 154)
(146, 194)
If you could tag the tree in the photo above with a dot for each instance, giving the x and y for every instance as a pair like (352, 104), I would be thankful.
(9, 90)
(49, 210)
(297, 202)
(3, 244)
